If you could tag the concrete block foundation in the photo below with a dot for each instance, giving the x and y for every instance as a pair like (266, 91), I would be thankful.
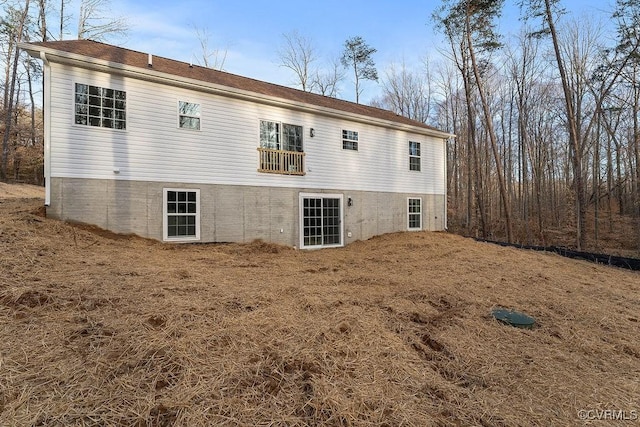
(231, 213)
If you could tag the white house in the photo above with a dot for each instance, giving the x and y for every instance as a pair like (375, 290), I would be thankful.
(136, 143)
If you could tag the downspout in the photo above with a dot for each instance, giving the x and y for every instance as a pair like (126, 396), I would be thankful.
(444, 177)
(46, 117)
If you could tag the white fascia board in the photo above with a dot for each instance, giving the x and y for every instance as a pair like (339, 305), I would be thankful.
(152, 75)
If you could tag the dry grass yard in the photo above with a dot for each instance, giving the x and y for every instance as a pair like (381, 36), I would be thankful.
(106, 330)
(12, 191)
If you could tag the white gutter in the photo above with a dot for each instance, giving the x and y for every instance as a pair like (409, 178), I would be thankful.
(46, 116)
(149, 74)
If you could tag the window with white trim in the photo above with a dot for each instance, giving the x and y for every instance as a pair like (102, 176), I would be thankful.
(414, 156)
(188, 115)
(414, 214)
(181, 214)
(280, 136)
(100, 107)
(281, 149)
(349, 140)
(321, 220)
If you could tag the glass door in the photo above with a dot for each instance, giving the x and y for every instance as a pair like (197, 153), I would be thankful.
(321, 220)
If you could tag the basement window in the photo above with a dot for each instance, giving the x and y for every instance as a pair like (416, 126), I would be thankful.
(414, 214)
(181, 214)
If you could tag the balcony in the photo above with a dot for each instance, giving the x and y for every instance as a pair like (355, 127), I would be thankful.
(281, 162)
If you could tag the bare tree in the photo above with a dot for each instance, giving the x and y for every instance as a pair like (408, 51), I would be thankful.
(42, 19)
(627, 17)
(211, 58)
(406, 92)
(474, 22)
(449, 113)
(467, 135)
(548, 11)
(15, 30)
(65, 19)
(326, 82)
(524, 68)
(298, 54)
(483, 24)
(96, 23)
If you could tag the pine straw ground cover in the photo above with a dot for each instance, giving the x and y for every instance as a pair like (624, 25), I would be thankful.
(99, 330)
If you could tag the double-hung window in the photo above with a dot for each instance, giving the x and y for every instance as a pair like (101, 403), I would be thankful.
(349, 140)
(414, 156)
(188, 115)
(100, 107)
(181, 219)
(414, 214)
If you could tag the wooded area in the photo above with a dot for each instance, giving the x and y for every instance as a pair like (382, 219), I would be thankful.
(21, 158)
(547, 122)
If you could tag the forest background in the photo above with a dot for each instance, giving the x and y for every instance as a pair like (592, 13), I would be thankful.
(547, 146)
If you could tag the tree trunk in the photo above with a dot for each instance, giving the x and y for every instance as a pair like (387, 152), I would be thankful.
(61, 37)
(596, 183)
(575, 144)
(12, 87)
(473, 161)
(492, 133)
(635, 185)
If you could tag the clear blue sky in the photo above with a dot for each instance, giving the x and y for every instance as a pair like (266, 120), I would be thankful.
(251, 32)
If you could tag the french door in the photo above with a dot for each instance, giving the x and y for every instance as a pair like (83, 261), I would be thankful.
(320, 220)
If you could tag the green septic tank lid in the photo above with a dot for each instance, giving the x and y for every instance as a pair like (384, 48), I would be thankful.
(513, 318)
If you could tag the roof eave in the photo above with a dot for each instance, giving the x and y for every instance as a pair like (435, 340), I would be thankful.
(152, 75)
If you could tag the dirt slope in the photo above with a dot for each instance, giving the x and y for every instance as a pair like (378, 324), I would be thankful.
(99, 329)
(12, 191)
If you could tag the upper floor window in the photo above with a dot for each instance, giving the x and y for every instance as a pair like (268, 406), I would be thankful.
(280, 148)
(414, 156)
(280, 136)
(349, 140)
(101, 107)
(188, 115)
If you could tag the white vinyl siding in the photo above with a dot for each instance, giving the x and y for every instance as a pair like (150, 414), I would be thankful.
(153, 148)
